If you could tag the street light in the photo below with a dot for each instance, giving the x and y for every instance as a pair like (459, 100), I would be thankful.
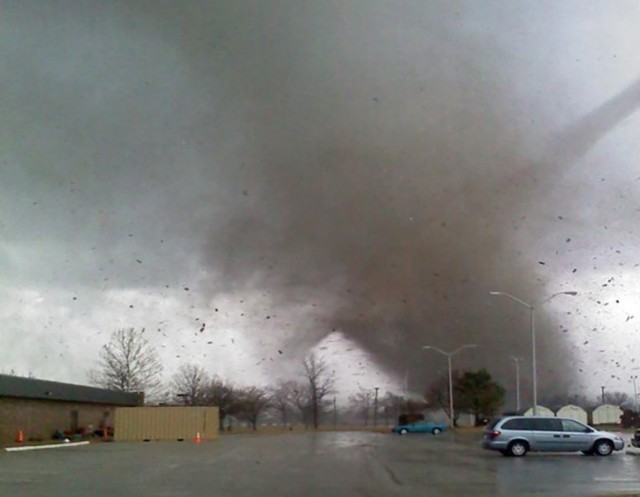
(375, 407)
(449, 355)
(531, 308)
(517, 360)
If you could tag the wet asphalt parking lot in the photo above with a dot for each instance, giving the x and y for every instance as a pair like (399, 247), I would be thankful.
(312, 464)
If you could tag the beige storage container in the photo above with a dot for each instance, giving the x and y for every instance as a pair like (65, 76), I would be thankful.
(165, 423)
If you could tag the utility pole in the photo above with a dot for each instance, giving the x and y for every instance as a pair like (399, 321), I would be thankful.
(635, 394)
(602, 395)
(375, 407)
(335, 413)
(517, 361)
(406, 383)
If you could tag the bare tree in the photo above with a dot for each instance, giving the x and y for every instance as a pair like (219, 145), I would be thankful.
(620, 399)
(555, 402)
(360, 405)
(583, 401)
(301, 400)
(321, 384)
(393, 406)
(438, 394)
(13, 372)
(222, 394)
(190, 384)
(283, 399)
(128, 363)
(250, 402)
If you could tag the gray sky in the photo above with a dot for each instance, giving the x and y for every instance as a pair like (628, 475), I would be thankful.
(285, 171)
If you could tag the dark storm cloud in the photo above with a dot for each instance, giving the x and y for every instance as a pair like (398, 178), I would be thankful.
(382, 156)
(577, 139)
(396, 179)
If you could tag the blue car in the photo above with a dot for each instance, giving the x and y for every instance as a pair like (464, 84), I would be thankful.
(420, 427)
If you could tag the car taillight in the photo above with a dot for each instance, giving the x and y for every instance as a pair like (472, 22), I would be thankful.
(494, 434)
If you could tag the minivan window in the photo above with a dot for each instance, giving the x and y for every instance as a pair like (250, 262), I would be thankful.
(547, 424)
(518, 424)
(571, 425)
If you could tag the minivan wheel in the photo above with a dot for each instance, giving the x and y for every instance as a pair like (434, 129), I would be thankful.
(436, 431)
(603, 447)
(517, 448)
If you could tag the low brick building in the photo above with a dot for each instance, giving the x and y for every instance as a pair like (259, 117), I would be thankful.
(40, 407)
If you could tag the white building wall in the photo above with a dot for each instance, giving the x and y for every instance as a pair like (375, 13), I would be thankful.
(606, 414)
(542, 411)
(573, 412)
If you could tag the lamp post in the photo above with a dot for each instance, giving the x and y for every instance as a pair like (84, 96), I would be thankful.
(517, 360)
(449, 355)
(375, 407)
(534, 365)
(406, 383)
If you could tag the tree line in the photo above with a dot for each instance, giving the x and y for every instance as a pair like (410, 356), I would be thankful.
(129, 363)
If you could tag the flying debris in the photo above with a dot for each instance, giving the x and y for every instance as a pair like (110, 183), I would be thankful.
(411, 205)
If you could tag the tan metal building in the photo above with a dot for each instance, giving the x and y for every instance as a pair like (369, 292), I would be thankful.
(165, 423)
(38, 408)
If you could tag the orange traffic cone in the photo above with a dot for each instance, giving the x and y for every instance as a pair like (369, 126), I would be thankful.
(197, 439)
(20, 437)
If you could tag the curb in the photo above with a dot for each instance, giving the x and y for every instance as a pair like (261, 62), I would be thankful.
(41, 447)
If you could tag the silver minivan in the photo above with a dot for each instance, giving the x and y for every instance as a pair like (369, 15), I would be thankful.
(517, 435)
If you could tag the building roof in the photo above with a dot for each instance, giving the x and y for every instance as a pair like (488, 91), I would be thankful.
(30, 388)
